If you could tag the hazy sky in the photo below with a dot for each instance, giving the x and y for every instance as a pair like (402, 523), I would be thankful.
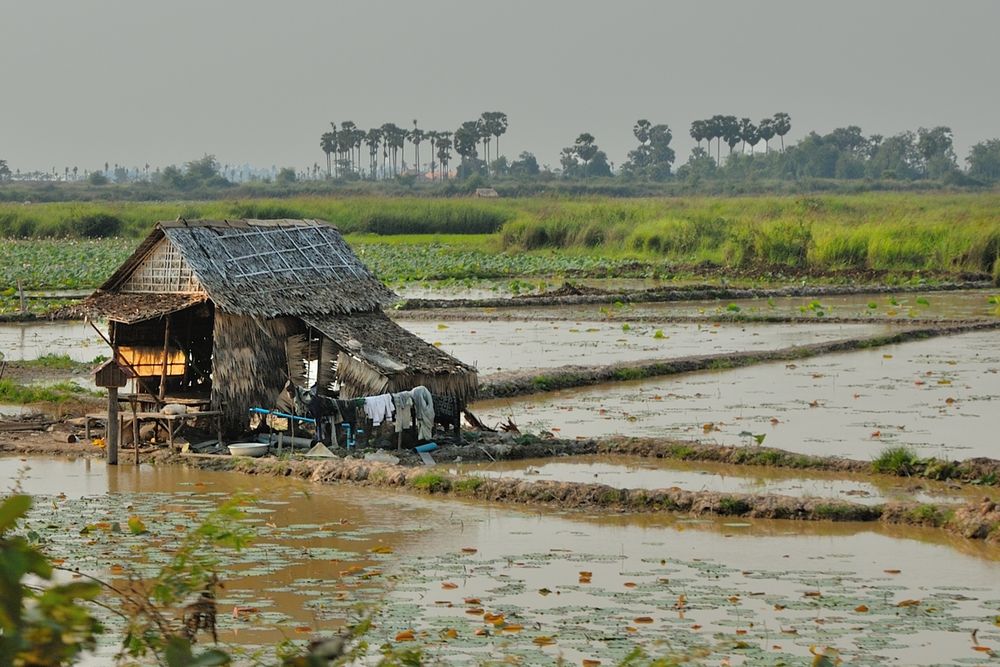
(136, 81)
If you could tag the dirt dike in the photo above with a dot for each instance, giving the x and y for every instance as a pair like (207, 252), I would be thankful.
(594, 296)
(532, 381)
(979, 521)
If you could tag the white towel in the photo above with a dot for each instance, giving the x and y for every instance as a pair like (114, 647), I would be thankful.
(379, 408)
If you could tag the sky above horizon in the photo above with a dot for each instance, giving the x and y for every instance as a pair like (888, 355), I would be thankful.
(258, 81)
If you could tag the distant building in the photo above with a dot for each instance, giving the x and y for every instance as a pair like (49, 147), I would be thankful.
(488, 193)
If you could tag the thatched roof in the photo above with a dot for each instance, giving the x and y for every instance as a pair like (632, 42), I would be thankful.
(264, 268)
(132, 308)
(379, 355)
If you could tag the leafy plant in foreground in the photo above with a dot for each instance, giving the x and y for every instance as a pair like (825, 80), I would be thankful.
(39, 625)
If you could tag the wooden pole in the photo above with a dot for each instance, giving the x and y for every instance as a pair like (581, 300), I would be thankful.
(20, 292)
(111, 433)
(135, 427)
(163, 368)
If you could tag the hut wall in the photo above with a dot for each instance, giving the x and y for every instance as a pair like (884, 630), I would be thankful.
(249, 365)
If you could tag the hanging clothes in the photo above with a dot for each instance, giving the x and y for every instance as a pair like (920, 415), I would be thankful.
(446, 410)
(379, 408)
(348, 413)
(403, 402)
(423, 404)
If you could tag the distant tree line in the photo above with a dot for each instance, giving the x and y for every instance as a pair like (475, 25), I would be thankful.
(384, 147)
(411, 154)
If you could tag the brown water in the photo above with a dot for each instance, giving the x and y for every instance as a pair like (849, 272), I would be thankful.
(30, 340)
(938, 396)
(494, 289)
(510, 345)
(626, 472)
(950, 305)
(746, 585)
(507, 345)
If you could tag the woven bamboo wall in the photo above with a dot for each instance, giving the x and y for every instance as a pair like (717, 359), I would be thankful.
(249, 366)
(163, 270)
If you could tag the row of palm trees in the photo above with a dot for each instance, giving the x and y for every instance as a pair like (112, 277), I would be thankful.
(733, 130)
(343, 146)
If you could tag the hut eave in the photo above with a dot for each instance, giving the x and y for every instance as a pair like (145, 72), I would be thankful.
(129, 308)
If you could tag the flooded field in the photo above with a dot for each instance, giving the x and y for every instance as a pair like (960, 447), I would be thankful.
(938, 396)
(506, 345)
(625, 472)
(30, 340)
(934, 305)
(478, 583)
(509, 345)
(493, 289)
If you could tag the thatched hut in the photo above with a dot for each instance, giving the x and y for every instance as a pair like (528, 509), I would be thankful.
(232, 310)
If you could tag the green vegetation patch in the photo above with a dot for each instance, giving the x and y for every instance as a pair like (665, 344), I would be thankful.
(19, 394)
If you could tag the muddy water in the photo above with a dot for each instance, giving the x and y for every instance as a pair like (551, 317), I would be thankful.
(639, 473)
(510, 345)
(492, 289)
(505, 345)
(30, 340)
(950, 305)
(753, 592)
(938, 396)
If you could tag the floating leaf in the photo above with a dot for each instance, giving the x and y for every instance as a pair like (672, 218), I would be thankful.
(405, 636)
(136, 526)
(543, 640)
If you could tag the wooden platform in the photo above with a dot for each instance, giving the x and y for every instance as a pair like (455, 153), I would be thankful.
(169, 422)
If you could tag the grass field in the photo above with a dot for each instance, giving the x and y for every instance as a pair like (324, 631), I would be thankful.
(406, 239)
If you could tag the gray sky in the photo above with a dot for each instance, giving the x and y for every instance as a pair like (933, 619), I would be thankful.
(136, 81)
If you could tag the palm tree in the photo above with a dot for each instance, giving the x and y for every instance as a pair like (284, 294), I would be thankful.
(782, 124)
(444, 151)
(466, 138)
(432, 137)
(731, 132)
(346, 139)
(416, 136)
(641, 130)
(747, 130)
(717, 126)
(484, 129)
(752, 137)
(765, 128)
(499, 127)
(328, 142)
(373, 138)
(699, 131)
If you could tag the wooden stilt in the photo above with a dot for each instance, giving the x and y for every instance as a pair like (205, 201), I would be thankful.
(111, 432)
(166, 352)
(135, 428)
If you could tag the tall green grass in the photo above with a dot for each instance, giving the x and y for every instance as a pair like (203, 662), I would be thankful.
(353, 215)
(891, 232)
(940, 233)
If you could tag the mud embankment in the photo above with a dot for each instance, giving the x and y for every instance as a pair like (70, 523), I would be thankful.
(980, 520)
(523, 382)
(591, 296)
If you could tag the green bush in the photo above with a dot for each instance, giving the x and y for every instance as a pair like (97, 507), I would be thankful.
(895, 461)
(96, 226)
